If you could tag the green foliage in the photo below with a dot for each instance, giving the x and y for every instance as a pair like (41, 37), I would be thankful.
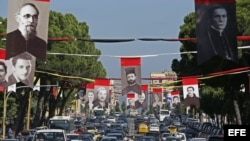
(67, 26)
(151, 109)
(3, 27)
(212, 99)
(117, 107)
(123, 107)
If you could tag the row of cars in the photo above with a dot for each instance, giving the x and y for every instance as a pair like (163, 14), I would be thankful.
(202, 131)
(176, 126)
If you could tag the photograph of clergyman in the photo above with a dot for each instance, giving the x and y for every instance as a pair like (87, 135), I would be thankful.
(27, 28)
(21, 68)
(176, 100)
(131, 80)
(191, 96)
(216, 32)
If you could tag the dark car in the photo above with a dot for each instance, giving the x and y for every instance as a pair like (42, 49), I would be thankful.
(215, 138)
(147, 138)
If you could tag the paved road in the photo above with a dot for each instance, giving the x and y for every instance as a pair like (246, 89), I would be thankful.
(131, 127)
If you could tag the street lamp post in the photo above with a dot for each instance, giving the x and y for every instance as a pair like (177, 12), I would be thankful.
(5, 98)
(28, 112)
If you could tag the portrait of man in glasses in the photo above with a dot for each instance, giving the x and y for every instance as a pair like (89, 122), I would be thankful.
(25, 37)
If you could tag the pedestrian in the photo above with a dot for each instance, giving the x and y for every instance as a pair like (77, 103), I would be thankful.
(10, 133)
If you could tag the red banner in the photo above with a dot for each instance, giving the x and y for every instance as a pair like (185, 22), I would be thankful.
(189, 81)
(173, 93)
(131, 75)
(90, 86)
(131, 61)
(157, 90)
(144, 87)
(2, 54)
(43, 0)
(130, 95)
(102, 82)
(190, 91)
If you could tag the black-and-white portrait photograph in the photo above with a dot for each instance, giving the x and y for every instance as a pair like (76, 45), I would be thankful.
(27, 28)
(21, 68)
(3, 73)
(216, 32)
(102, 97)
(131, 80)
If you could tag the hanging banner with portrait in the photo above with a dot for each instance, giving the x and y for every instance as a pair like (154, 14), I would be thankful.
(130, 101)
(27, 28)
(216, 31)
(157, 96)
(175, 98)
(190, 91)
(3, 70)
(21, 68)
(142, 101)
(87, 101)
(131, 75)
(102, 97)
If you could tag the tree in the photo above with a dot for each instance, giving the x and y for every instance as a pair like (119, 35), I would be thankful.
(123, 107)
(117, 107)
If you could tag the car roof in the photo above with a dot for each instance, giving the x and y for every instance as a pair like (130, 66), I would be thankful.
(109, 137)
(50, 130)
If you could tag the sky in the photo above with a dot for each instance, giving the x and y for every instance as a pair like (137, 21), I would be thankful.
(129, 19)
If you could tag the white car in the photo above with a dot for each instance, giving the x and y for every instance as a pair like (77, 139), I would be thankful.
(50, 134)
(112, 119)
(73, 137)
(154, 127)
(180, 135)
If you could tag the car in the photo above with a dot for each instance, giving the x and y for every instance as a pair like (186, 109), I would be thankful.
(147, 138)
(143, 128)
(112, 119)
(163, 136)
(119, 136)
(9, 140)
(91, 129)
(122, 123)
(215, 138)
(197, 139)
(50, 134)
(75, 137)
(108, 138)
(101, 129)
(172, 129)
(154, 127)
(180, 135)
(173, 138)
(154, 134)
